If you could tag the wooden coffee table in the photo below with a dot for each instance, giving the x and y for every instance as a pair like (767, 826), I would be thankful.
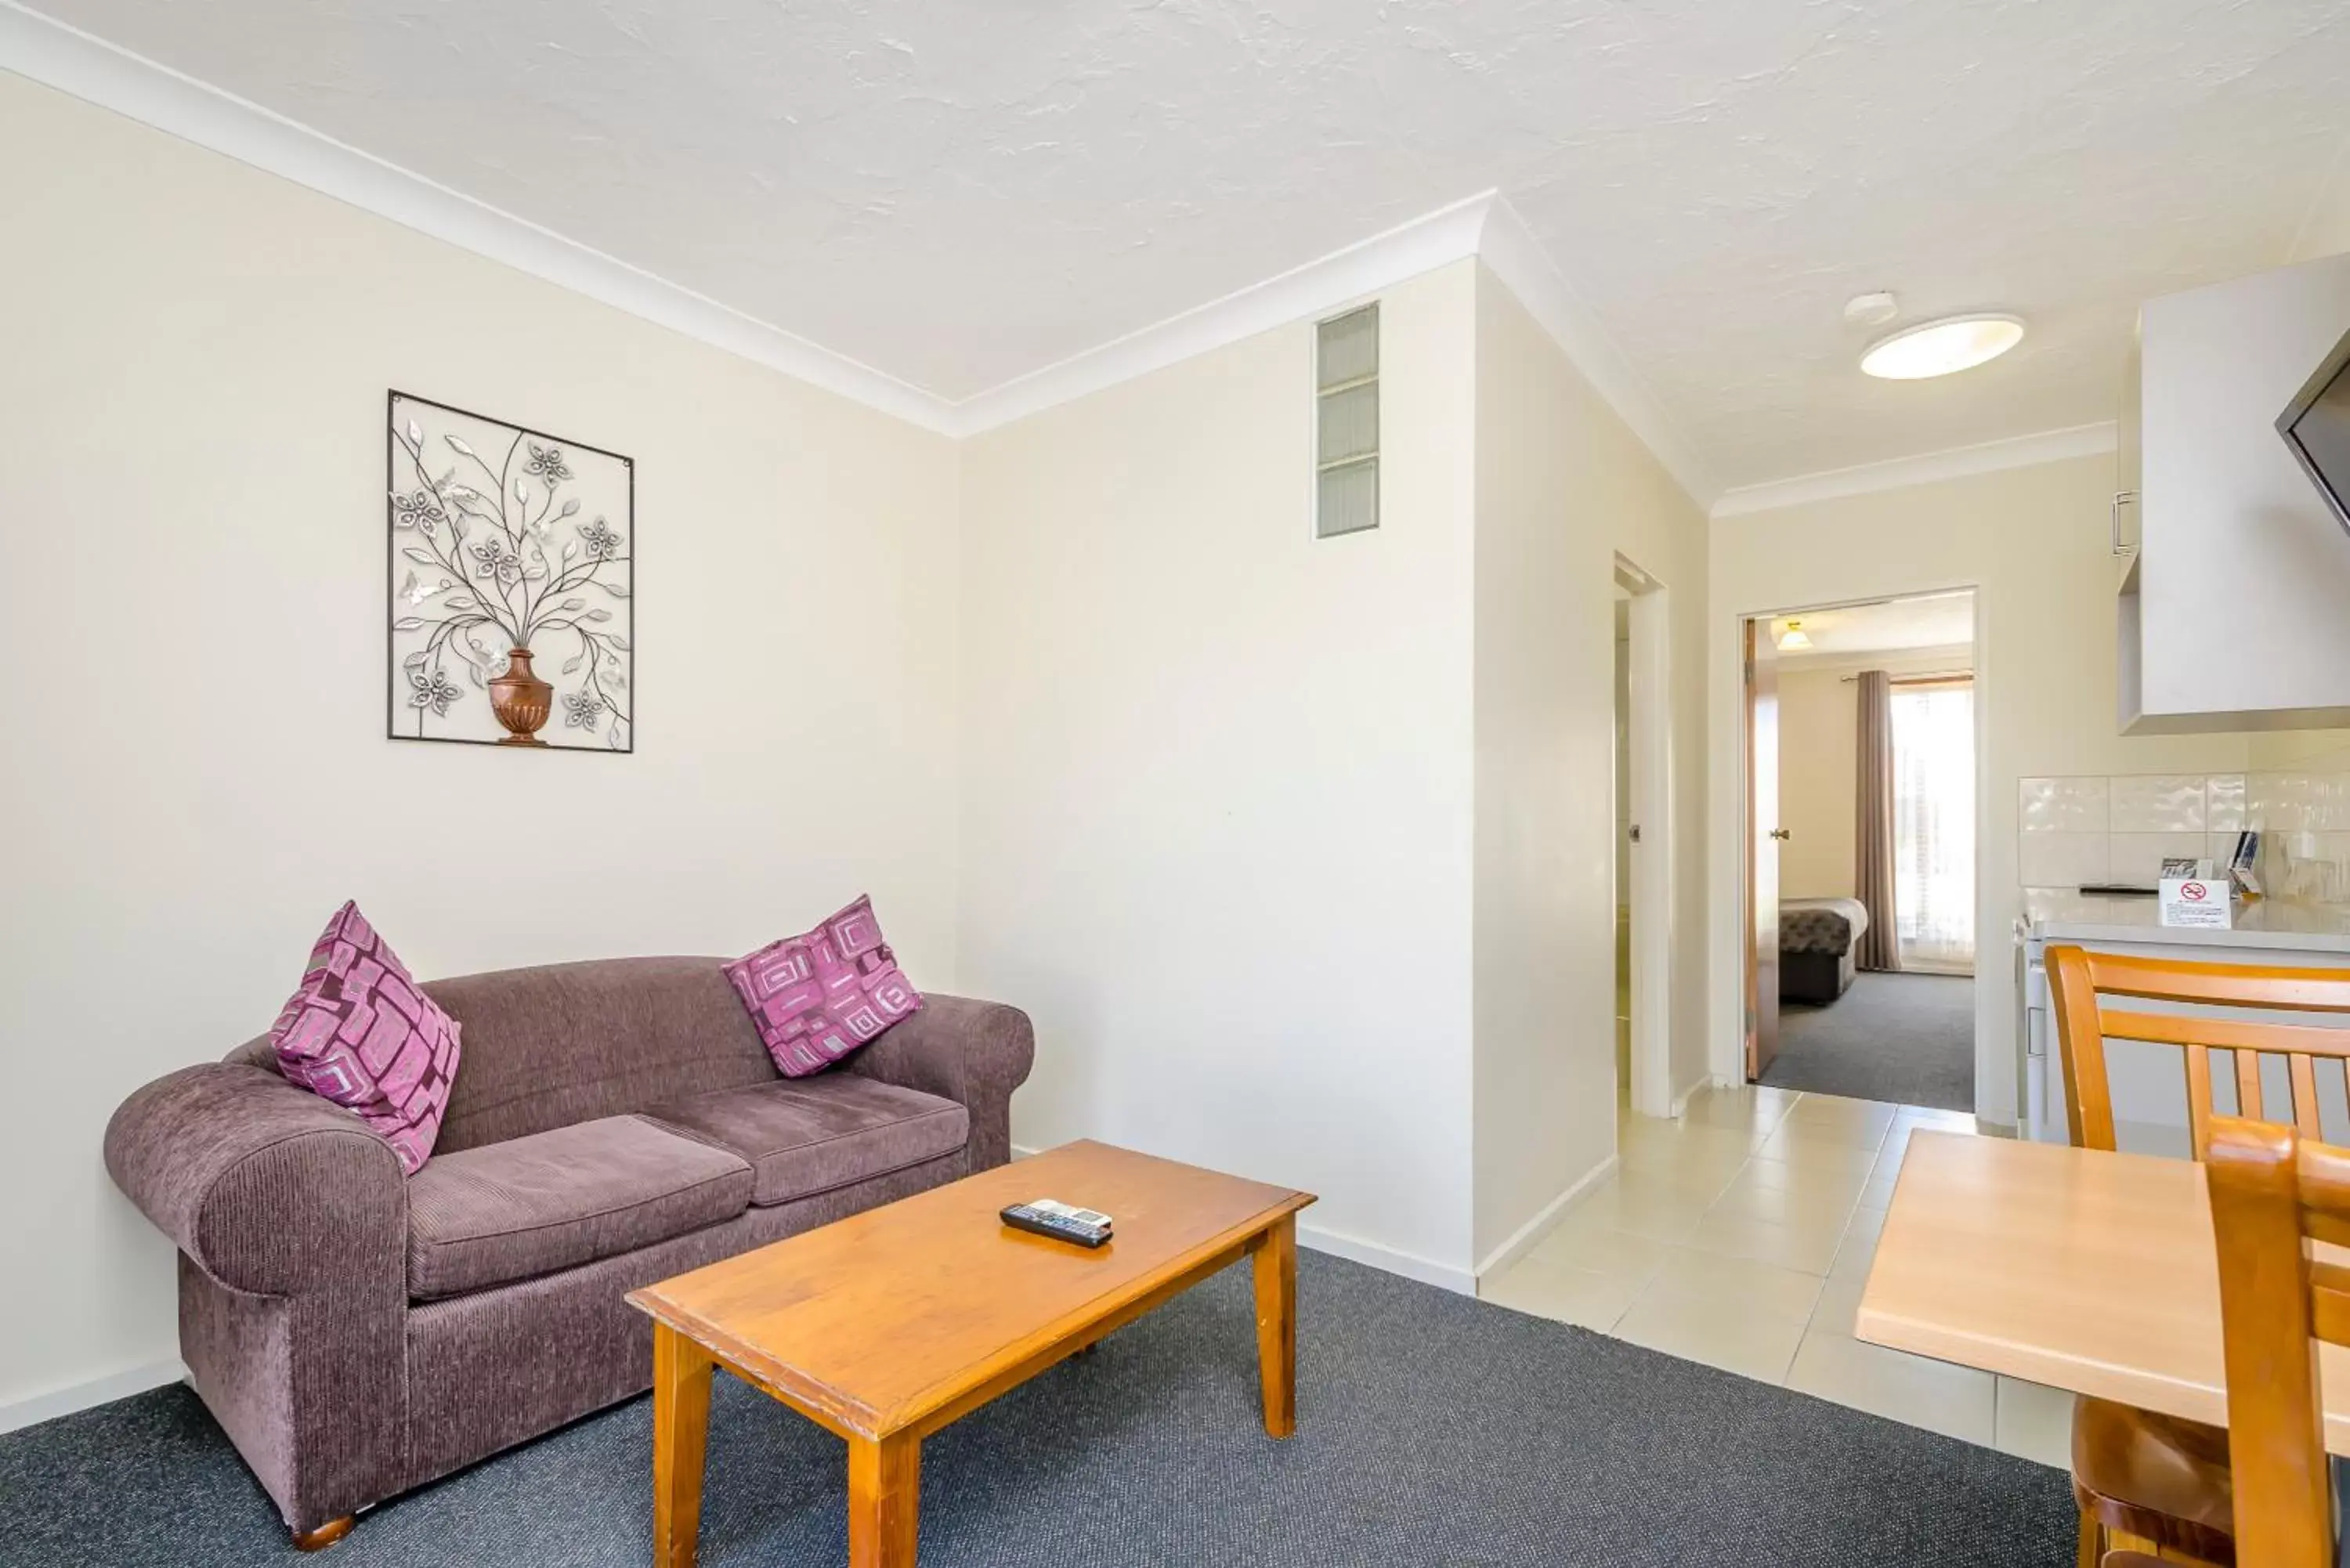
(890, 1324)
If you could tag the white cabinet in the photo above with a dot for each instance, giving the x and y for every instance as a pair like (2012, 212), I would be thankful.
(2234, 611)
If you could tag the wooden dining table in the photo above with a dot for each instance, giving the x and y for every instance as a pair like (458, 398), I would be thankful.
(2076, 1268)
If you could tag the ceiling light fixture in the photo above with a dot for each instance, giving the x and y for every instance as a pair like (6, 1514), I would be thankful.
(1942, 348)
(1794, 638)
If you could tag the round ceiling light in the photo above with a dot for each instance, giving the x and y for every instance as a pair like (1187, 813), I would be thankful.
(1942, 348)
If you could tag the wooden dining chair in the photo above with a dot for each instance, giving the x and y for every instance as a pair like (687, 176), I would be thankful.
(2144, 1481)
(2274, 1192)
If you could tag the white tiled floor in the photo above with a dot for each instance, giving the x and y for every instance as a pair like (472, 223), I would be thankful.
(1740, 1235)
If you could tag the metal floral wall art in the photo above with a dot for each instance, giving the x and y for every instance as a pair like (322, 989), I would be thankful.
(512, 576)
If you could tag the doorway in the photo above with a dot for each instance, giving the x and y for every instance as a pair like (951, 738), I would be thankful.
(1862, 736)
(1644, 840)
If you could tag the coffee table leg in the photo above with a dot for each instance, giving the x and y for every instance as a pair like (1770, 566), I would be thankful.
(681, 1433)
(885, 1501)
(1277, 1324)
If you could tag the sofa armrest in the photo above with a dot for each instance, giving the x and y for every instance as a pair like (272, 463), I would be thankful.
(291, 1218)
(265, 1187)
(973, 1052)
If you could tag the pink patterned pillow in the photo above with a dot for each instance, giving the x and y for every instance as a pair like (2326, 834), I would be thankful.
(818, 997)
(358, 1032)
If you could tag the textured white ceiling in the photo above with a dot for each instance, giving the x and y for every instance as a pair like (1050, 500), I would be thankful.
(1892, 626)
(958, 194)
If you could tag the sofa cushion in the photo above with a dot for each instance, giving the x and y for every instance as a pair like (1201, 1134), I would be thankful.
(569, 1042)
(358, 1031)
(806, 1136)
(506, 1212)
(819, 996)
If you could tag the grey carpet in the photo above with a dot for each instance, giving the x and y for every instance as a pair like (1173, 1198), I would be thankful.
(1906, 1038)
(1433, 1429)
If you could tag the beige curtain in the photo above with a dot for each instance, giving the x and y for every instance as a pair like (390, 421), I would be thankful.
(1880, 946)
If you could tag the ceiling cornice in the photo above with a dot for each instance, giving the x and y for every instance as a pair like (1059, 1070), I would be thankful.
(1927, 468)
(1483, 225)
(1513, 254)
(48, 51)
(1448, 234)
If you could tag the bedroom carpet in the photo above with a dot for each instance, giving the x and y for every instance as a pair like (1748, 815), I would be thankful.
(1905, 1038)
(1432, 1429)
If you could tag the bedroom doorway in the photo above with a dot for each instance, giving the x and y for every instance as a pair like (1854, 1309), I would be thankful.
(1861, 742)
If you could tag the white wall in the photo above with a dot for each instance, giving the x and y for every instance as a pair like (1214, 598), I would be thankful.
(2306, 751)
(2033, 542)
(1561, 487)
(192, 391)
(1219, 825)
(1819, 765)
(1819, 740)
(1216, 776)
(2325, 228)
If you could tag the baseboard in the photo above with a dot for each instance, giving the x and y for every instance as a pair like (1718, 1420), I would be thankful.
(1523, 1240)
(73, 1397)
(1682, 1100)
(1390, 1259)
(1355, 1250)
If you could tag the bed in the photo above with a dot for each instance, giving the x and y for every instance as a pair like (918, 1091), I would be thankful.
(1816, 940)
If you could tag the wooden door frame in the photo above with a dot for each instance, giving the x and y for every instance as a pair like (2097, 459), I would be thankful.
(1752, 630)
(1748, 963)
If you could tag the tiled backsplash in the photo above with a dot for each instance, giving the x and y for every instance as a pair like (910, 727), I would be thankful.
(2120, 828)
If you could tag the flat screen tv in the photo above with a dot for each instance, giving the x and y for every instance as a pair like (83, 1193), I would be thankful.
(2316, 426)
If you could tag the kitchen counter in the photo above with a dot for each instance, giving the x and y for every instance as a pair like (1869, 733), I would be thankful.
(2055, 914)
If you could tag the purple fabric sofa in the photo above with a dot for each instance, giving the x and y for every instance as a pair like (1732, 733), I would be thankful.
(357, 1333)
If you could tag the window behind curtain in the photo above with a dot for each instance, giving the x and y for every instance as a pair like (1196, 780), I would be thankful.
(1346, 405)
(1934, 822)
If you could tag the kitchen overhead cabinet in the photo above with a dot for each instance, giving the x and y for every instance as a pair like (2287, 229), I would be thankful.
(2234, 611)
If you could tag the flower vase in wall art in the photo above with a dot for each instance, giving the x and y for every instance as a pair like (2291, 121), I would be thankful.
(513, 580)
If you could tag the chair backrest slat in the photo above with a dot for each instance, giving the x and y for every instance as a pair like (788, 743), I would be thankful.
(2248, 1085)
(2226, 984)
(2079, 982)
(2270, 1190)
(2224, 1033)
(2330, 1311)
(2303, 1074)
(2198, 1095)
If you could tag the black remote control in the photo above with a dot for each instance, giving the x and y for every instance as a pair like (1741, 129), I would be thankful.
(1045, 1217)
